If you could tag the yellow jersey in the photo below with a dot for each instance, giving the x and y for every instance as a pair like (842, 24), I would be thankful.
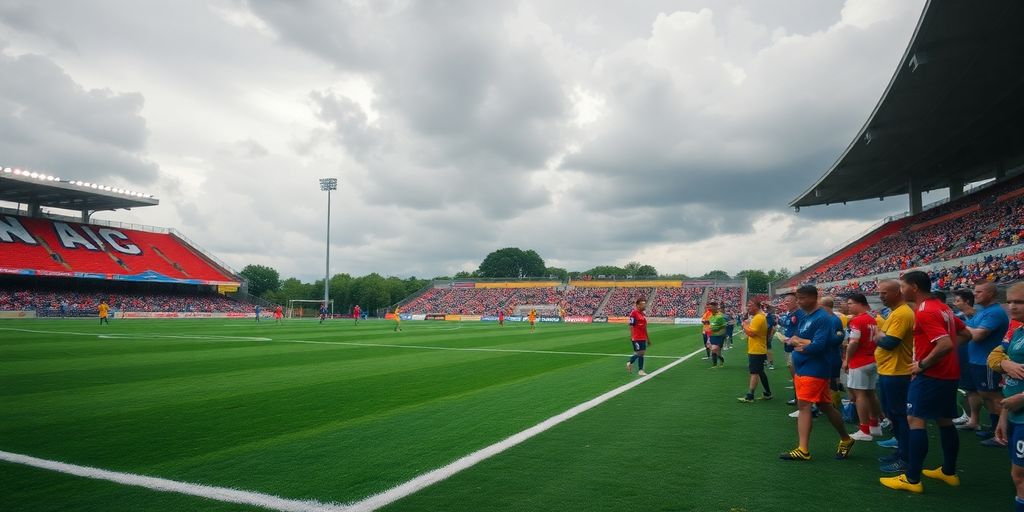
(900, 324)
(103, 310)
(757, 335)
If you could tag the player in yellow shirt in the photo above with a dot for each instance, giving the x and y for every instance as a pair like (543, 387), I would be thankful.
(398, 319)
(756, 329)
(533, 319)
(894, 355)
(104, 312)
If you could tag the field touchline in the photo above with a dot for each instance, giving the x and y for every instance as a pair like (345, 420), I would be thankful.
(427, 479)
(463, 349)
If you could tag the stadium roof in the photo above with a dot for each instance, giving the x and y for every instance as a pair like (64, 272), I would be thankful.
(950, 115)
(34, 188)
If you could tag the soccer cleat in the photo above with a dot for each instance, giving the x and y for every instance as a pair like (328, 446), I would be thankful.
(629, 367)
(890, 443)
(962, 420)
(896, 466)
(794, 414)
(641, 373)
(843, 450)
(746, 400)
(704, 358)
(966, 426)
(766, 397)
(771, 367)
(876, 431)
(900, 483)
(795, 454)
(791, 401)
(992, 443)
(886, 424)
(861, 436)
(951, 480)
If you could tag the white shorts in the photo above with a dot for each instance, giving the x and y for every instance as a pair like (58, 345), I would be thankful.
(863, 378)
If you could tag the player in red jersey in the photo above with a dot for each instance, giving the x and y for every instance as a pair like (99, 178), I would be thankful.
(932, 393)
(356, 313)
(638, 336)
(501, 318)
(861, 367)
(278, 314)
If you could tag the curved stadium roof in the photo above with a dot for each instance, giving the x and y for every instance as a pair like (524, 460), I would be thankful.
(953, 112)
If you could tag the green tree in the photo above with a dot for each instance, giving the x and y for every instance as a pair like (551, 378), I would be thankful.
(607, 271)
(262, 279)
(646, 271)
(511, 262)
(560, 273)
(757, 280)
(716, 274)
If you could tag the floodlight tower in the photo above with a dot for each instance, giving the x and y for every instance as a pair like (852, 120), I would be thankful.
(327, 185)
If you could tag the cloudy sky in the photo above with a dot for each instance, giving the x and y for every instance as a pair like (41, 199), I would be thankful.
(670, 132)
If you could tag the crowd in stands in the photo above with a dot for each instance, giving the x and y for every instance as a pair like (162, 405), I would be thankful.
(990, 225)
(80, 303)
(621, 301)
(582, 301)
(729, 299)
(1000, 270)
(464, 301)
(681, 302)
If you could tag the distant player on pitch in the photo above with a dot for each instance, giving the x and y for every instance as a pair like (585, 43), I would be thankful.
(533, 320)
(398, 319)
(356, 312)
(638, 337)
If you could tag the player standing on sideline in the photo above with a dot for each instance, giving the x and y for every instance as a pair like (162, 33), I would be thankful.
(963, 301)
(861, 369)
(533, 320)
(794, 315)
(356, 313)
(1008, 359)
(716, 335)
(257, 310)
(398, 319)
(104, 312)
(813, 340)
(894, 355)
(988, 326)
(932, 393)
(278, 314)
(706, 332)
(323, 312)
(638, 337)
(501, 318)
(756, 329)
(730, 326)
(770, 319)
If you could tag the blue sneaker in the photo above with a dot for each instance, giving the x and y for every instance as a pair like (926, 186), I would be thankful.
(890, 443)
(897, 466)
(888, 460)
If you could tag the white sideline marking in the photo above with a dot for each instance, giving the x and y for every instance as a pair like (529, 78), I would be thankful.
(207, 337)
(160, 484)
(459, 349)
(427, 479)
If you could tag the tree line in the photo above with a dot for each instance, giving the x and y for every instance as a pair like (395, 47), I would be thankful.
(374, 291)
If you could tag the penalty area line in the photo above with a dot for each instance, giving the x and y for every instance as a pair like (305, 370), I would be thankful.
(440, 474)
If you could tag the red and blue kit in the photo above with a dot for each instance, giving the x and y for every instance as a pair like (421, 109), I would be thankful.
(933, 320)
(637, 325)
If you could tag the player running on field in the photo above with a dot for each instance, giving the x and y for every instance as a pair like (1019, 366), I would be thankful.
(104, 312)
(638, 337)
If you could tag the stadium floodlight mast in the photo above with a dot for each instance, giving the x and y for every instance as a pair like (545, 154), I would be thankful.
(327, 185)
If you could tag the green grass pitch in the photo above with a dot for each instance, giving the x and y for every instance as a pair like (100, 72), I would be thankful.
(235, 404)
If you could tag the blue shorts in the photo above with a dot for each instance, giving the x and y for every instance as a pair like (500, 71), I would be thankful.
(984, 379)
(639, 345)
(717, 341)
(1016, 446)
(755, 363)
(892, 390)
(931, 399)
(728, 330)
(966, 377)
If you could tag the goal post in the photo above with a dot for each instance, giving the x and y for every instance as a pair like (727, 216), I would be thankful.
(307, 308)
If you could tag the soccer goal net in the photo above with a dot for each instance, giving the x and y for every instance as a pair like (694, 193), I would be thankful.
(305, 308)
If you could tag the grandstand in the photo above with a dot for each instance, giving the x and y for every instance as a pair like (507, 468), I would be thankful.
(582, 299)
(56, 264)
(947, 119)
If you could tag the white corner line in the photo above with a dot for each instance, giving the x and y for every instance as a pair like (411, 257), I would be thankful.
(160, 484)
(430, 478)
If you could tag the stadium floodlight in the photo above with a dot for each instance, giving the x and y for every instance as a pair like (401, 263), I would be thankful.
(327, 185)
